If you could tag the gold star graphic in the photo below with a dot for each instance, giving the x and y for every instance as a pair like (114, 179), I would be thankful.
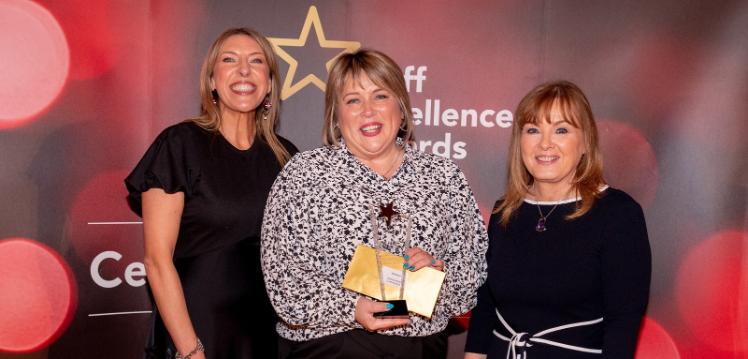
(312, 20)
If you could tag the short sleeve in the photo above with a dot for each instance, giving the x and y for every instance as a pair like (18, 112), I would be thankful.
(164, 165)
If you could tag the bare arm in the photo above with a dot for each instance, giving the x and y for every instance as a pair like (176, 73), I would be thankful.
(474, 356)
(162, 213)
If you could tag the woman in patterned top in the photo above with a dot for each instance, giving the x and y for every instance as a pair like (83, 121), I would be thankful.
(319, 211)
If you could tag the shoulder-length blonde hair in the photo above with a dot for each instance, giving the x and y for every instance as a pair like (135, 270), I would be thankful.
(266, 120)
(575, 108)
(382, 71)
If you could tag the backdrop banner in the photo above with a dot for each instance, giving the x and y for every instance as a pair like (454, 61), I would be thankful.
(85, 87)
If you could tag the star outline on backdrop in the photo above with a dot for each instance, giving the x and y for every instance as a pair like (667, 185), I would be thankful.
(312, 20)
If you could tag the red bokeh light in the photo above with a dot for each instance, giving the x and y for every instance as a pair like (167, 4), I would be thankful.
(38, 295)
(662, 70)
(629, 161)
(655, 342)
(712, 291)
(462, 321)
(102, 199)
(88, 26)
(34, 61)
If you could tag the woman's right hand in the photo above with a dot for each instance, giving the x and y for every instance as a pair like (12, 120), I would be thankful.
(365, 309)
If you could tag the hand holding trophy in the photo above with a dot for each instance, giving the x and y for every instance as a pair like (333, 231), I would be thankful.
(405, 287)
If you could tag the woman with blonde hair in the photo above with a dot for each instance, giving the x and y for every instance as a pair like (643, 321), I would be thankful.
(569, 262)
(201, 188)
(367, 186)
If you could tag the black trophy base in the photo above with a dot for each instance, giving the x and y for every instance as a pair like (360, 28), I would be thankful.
(399, 309)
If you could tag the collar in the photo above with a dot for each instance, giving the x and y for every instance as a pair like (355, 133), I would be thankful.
(563, 201)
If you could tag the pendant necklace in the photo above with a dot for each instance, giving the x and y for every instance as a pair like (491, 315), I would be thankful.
(540, 227)
(388, 210)
(387, 175)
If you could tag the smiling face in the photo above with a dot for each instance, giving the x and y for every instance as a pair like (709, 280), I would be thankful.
(552, 151)
(241, 76)
(369, 117)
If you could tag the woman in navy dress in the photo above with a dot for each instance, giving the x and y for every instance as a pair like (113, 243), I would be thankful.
(569, 262)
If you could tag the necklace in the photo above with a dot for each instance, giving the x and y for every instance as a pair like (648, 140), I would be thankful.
(393, 166)
(540, 227)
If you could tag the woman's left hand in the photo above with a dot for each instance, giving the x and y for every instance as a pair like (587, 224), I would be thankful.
(416, 258)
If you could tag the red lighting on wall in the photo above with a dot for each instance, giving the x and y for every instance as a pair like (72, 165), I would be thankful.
(629, 160)
(95, 217)
(34, 61)
(712, 291)
(38, 295)
(655, 342)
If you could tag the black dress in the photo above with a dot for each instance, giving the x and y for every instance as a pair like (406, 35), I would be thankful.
(574, 273)
(217, 252)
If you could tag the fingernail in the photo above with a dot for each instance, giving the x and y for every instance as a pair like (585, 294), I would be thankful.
(390, 306)
(412, 267)
(405, 265)
(433, 262)
(406, 257)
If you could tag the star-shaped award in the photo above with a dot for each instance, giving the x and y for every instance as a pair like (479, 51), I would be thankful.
(387, 211)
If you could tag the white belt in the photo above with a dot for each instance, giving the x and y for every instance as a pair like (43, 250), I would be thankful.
(522, 340)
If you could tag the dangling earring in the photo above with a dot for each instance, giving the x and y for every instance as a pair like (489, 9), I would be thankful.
(267, 105)
(214, 94)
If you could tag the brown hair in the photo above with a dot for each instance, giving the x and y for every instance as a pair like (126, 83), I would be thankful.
(210, 115)
(575, 108)
(382, 71)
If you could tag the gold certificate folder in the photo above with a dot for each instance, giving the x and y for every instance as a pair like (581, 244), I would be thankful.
(421, 287)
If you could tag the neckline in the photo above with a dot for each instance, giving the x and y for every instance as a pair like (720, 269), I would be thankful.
(236, 149)
(397, 169)
(562, 201)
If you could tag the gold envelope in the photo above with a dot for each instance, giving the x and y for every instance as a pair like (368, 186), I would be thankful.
(421, 287)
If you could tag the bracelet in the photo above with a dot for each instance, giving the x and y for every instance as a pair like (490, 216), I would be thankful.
(199, 348)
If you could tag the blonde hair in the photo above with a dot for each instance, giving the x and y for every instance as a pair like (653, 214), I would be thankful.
(575, 108)
(266, 120)
(382, 71)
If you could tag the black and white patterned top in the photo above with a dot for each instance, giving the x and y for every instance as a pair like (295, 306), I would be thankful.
(317, 213)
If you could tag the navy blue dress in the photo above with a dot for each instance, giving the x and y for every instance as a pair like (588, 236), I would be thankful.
(551, 288)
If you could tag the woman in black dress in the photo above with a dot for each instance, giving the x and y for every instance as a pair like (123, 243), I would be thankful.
(201, 189)
(569, 262)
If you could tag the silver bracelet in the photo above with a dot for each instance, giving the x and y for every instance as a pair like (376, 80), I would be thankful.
(198, 349)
